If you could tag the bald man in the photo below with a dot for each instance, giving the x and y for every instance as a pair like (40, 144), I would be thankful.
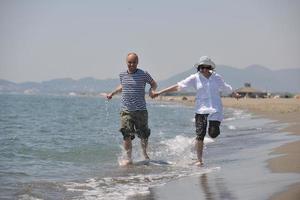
(134, 114)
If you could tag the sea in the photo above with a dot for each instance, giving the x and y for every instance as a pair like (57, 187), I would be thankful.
(69, 147)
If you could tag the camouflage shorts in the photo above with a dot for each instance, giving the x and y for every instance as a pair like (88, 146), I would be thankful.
(201, 126)
(134, 122)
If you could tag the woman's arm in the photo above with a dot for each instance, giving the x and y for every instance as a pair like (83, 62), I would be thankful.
(172, 88)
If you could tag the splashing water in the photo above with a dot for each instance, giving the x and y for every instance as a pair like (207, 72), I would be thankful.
(106, 110)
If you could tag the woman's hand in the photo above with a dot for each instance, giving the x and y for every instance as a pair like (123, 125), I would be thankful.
(236, 95)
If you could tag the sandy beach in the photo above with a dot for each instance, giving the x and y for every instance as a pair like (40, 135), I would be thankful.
(286, 111)
(281, 110)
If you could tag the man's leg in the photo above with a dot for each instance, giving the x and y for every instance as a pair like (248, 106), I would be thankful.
(142, 130)
(126, 130)
(128, 148)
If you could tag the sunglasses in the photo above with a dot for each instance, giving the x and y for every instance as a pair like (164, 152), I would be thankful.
(205, 67)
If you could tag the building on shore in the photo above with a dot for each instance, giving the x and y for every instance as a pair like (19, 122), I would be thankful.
(249, 92)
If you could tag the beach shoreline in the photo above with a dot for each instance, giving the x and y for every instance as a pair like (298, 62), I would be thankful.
(287, 111)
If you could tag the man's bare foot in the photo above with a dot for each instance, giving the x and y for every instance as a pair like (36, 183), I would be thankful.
(198, 163)
(125, 162)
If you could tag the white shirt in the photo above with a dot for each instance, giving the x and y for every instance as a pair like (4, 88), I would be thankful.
(208, 93)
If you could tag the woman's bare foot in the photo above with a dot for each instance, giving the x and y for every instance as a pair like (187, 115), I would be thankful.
(125, 162)
(146, 156)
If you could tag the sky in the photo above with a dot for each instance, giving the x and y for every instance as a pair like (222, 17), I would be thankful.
(47, 39)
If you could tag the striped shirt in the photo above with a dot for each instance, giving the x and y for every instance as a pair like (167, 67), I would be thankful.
(133, 89)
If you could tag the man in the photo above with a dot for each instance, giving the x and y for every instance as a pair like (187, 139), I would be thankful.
(134, 115)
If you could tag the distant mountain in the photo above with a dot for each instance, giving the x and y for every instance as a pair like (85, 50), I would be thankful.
(60, 86)
(262, 78)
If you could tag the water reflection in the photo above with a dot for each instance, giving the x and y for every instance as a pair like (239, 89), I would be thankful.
(214, 187)
(205, 187)
(208, 186)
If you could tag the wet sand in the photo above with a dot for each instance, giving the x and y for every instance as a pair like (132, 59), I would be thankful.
(281, 110)
(284, 111)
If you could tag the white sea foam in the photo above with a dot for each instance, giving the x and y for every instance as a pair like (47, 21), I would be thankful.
(241, 114)
(229, 119)
(180, 143)
(208, 140)
(123, 187)
(169, 105)
(178, 149)
(231, 127)
(28, 197)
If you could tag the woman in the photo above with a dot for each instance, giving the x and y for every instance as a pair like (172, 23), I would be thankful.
(208, 105)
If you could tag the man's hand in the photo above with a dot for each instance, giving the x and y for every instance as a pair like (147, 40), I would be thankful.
(151, 93)
(154, 94)
(109, 96)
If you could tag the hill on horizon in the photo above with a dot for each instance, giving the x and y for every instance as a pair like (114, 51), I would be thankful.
(261, 78)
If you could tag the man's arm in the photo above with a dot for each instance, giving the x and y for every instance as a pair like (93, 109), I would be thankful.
(116, 91)
(152, 89)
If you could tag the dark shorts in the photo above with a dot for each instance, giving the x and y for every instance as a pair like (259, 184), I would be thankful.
(134, 122)
(201, 126)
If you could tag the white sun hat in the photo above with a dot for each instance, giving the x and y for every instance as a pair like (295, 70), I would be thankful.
(205, 60)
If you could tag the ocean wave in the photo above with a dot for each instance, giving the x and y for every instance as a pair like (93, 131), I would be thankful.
(121, 188)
